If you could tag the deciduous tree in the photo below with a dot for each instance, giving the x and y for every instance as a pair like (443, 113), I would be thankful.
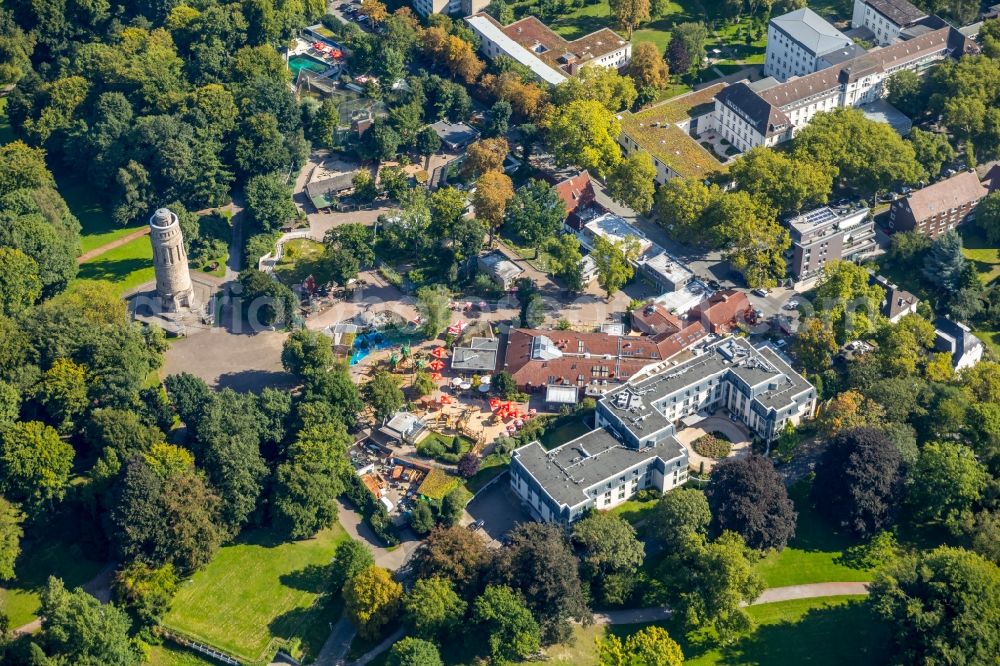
(433, 609)
(584, 133)
(536, 213)
(648, 68)
(789, 184)
(752, 240)
(512, 632)
(610, 554)
(383, 395)
(308, 482)
(630, 14)
(78, 629)
(372, 600)
(414, 652)
(10, 538)
(434, 305)
(631, 182)
(678, 513)
(858, 481)
(539, 563)
(34, 465)
(946, 482)
(680, 205)
(747, 496)
(351, 558)
(494, 190)
(20, 285)
(485, 155)
(942, 606)
(613, 266)
(651, 646)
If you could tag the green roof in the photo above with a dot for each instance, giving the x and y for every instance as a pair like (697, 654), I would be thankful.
(655, 131)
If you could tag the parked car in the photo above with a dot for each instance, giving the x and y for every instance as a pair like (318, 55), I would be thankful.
(478, 525)
(714, 284)
(790, 305)
(760, 292)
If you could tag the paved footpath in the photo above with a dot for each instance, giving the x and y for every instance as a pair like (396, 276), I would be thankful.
(99, 587)
(97, 251)
(812, 591)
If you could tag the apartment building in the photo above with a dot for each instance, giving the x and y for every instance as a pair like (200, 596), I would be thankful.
(465, 7)
(940, 207)
(825, 235)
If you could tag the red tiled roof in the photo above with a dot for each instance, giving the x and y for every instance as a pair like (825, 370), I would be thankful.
(721, 309)
(960, 189)
(655, 320)
(576, 191)
(585, 357)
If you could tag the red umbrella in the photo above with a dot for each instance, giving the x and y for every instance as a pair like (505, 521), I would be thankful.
(494, 404)
(437, 376)
(436, 365)
(439, 352)
(445, 400)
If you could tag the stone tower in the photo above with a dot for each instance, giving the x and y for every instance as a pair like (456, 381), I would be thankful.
(173, 280)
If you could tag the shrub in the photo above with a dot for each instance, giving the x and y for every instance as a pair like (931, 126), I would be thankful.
(711, 446)
(876, 552)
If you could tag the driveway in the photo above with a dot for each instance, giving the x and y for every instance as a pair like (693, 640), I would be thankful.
(499, 508)
(737, 435)
(390, 559)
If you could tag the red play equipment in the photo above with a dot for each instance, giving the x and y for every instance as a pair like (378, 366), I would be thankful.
(446, 399)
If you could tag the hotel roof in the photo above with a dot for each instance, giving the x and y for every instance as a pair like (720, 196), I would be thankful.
(566, 472)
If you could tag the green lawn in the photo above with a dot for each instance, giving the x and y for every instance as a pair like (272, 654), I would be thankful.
(126, 266)
(19, 599)
(570, 428)
(977, 249)
(489, 468)
(96, 226)
(635, 511)
(260, 593)
(301, 258)
(826, 631)
(813, 554)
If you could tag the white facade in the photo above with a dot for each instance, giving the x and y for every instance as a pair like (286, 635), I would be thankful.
(493, 42)
(796, 42)
(747, 118)
(885, 19)
(465, 7)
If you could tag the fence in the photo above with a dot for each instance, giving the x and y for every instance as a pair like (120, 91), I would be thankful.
(268, 261)
(197, 646)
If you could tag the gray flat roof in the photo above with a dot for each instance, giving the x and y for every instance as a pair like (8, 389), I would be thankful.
(567, 471)
(479, 354)
(632, 403)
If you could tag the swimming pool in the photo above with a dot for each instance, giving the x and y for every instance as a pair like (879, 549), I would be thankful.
(365, 343)
(303, 61)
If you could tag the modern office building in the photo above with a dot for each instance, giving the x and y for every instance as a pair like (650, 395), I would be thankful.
(824, 235)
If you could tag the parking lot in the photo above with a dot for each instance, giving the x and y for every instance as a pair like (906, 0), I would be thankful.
(498, 508)
(349, 12)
